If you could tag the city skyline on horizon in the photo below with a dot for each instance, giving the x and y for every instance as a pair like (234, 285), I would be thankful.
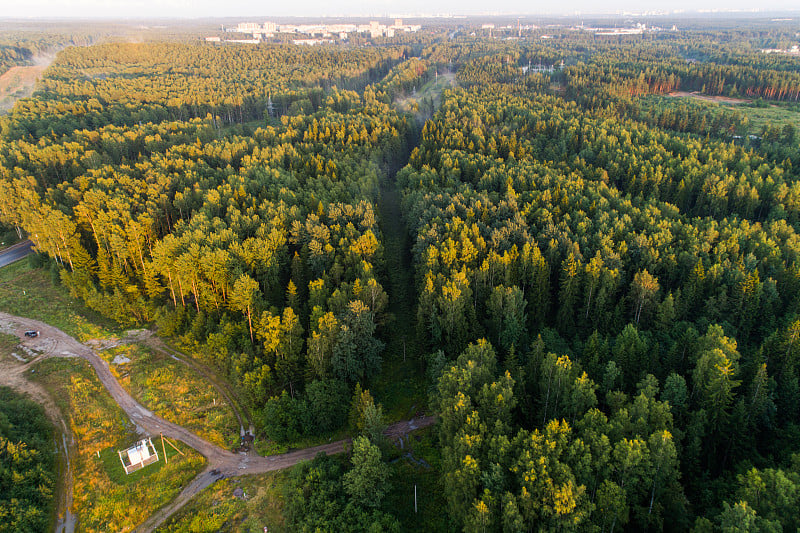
(186, 9)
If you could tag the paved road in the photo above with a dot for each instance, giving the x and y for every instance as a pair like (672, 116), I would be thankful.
(52, 342)
(15, 253)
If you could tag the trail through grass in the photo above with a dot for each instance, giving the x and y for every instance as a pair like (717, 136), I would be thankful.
(400, 386)
(31, 292)
(174, 392)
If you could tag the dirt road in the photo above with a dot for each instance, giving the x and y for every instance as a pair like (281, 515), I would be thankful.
(52, 342)
(239, 409)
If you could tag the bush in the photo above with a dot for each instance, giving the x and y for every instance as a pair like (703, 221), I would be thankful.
(281, 418)
(326, 406)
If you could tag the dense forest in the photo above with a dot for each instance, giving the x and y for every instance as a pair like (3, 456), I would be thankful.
(606, 279)
(27, 464)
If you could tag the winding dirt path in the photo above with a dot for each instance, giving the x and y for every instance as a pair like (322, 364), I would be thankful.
(52, 342)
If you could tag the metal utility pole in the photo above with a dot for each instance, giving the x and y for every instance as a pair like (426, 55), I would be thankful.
(415, 498)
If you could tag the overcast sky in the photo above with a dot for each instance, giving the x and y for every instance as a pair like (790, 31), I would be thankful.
(265, 9)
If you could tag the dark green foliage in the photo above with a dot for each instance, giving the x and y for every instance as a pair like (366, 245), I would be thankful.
(607, 279)
(652, 262)
(367, 481)
(321, 409)
(327, 405)
(27, 464)
(316, 500)
(258, 247)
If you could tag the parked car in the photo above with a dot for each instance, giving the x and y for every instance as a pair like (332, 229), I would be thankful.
(31, 333)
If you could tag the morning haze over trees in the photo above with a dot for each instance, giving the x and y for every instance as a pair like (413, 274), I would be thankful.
(588, 274)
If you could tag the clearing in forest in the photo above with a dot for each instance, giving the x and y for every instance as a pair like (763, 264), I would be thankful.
(427, 99)
(707, 98)
(18, 82)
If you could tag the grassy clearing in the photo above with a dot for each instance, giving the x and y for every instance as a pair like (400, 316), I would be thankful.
(421, 469)
(8, 344)
(428, 97)
(30, 292)
(217, 509)
(109, 458)
(18, 82)
(401, 384)
(778, 115)
(174, 392)
(97, 424)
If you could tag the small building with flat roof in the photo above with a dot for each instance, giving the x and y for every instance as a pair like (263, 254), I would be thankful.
(138, 456)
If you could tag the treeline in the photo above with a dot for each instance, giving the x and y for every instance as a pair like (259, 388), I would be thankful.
(597, 68)
(609, 391)
(406, 77)
(258, 249)
(329, 494)
(27, 464)
(130, 84)
(690, 116)
(12, 55)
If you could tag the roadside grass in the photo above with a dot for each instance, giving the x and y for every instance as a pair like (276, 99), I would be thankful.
(97, 424)
(269, 447)
(8, 345)
(174, 392)
(30, 292)
(8, 237)
(170, 347)
(216, 508)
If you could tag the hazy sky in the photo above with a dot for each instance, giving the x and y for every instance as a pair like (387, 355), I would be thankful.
(264, 9)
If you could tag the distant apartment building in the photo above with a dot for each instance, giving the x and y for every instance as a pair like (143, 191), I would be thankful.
(343, 31)
(248, 27)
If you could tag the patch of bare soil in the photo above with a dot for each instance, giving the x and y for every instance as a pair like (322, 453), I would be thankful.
(18, 82)
(706, 98)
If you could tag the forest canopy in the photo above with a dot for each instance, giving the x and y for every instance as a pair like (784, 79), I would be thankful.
(606, 278)
(27, 464)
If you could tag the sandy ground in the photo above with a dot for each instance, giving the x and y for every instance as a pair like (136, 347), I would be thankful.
(52, 342)
(706, 98)
(18, 82)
